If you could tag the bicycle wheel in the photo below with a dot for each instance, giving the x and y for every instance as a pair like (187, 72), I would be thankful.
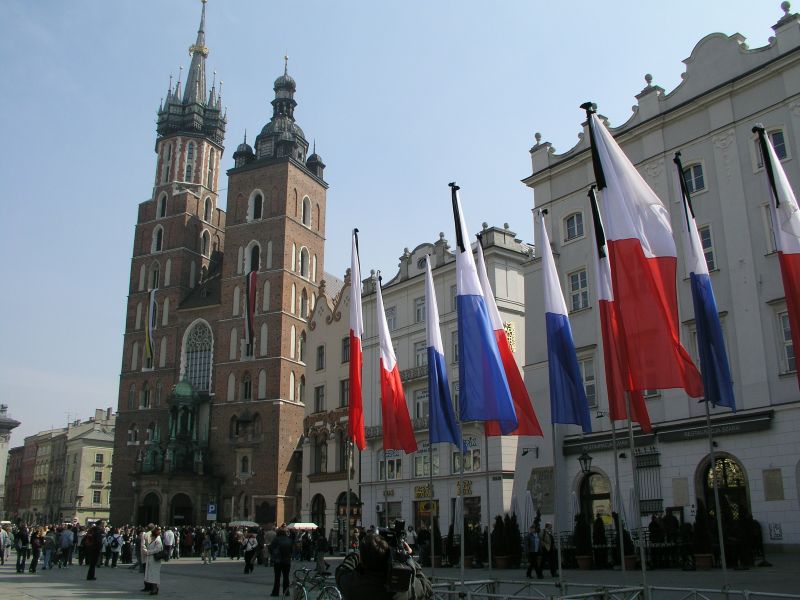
(297, 592)
(330, 592)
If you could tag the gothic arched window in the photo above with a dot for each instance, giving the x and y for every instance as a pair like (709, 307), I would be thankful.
(207, 211)
(197, 356)
(158, 239)
(306, 216)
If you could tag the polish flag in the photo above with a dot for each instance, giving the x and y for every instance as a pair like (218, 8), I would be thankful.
(614, 357)
(786, 228)
(355, 413)
(643, 262)
(398, 434)
(528, 423)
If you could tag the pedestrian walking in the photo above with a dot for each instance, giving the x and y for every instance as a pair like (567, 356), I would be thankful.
(249, 550)
(281, 553)
(533, 546)
(22, 544)
(92, 544)
(154, 551)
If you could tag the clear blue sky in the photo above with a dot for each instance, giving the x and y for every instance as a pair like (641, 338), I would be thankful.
(401, 98)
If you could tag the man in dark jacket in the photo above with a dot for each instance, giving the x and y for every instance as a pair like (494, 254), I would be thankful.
(366, 577)
(92, 543)
(280, 550)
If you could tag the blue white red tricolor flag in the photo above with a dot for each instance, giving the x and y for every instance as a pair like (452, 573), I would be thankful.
(484, 394)
(786, 228)
(355, 410)
(568, 402)
(442, 425)
(714, 367)
(528, 423)
(398, 434)
(614, 352)
(643, 262)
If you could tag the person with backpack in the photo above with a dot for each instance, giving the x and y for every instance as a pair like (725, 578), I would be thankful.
(249, 546)
(114, 544)
(22, 544)
(366, 575)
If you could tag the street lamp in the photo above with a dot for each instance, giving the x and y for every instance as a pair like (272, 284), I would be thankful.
(586, 462)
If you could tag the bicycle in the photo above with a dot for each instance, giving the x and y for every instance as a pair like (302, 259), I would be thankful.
(307, 582)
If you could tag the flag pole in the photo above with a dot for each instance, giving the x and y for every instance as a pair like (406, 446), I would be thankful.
(560, 583)
(620, 534)
(637, 501)
(433, 511)
(385, 484)
(348, 449)
(460, 497)
(720, 535)
(488, 497)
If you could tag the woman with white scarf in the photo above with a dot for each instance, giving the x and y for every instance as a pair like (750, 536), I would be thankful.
(153, 552)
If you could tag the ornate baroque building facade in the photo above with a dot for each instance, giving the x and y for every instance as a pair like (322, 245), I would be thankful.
(727, 88)
(210, 413)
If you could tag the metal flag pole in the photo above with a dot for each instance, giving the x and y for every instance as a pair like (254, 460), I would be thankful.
(348, 449)
(620, 534)
(433, 511)
(637, 502)
(460, 496)
(560, 583)
(385, 485)
(720, 535)
(488, 497)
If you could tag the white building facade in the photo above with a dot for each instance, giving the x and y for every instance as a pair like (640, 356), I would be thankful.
(727, 88)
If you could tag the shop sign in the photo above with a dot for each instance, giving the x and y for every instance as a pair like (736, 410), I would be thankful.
(467, 487)
(423, 491)
(388, 492)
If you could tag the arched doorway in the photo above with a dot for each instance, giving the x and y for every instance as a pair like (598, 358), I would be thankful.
(341, 514)
(734, 498)
(149, 509)
(181, 512)
(318, 511)
(595, 495)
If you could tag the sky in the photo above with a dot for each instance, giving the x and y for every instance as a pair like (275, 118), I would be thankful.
(401, 97)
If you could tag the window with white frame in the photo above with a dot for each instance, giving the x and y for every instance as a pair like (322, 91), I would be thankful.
(589, 380)
(158, 239)
(346, 350)
(578, 290)
(96, 497)
(769, 229)
(471, 459)
(344, 392)
(788, 363)
(573, 226)
(320, 357)
(247, 387)
(707, 242)
(420, 354)
(778, 140)
(391, 317)
(422, 463)
(161, 210)
(207, 211)
(454, 396)
(454, 297)
(695, 180)
(391, 468)
(420, 404)
(454, 343)
(419, 310)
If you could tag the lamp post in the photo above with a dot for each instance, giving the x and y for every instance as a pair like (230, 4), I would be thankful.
(585, 460)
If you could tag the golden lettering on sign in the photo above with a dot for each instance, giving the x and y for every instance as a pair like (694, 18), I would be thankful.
(422, 491)
(511, 335)
(388, 492)
(467, 488)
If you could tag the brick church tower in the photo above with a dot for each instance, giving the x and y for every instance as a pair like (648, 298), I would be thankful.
(211, 386)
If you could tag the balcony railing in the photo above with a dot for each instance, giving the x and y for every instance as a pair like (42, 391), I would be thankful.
(376, 431)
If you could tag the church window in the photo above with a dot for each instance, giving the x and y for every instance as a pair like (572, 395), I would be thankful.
(247, 387)
(188, 176)
(291, 386)
(210, 171)
(167, 273)
(205, 243)
(142, 277)
(207, 211)
(162, 207)
(158, 239)
(292, 341)
(231, 387)
(263, 341)
(233, 427)
(304, 262)
(138, 322)
(245, 465)
(236, 301)
(190, 151)
(293, 299)
(158, 392)
(293, 264)
(269, 254)
(265, 297)
(301, 389)
(234, 343)
(262, 386)
(135, 356)
(255, 252)
(145, 402)
(197, 356)
(133, 434)
(314, 268)
(258, 205)
(165, 313)
(132, 397)
(306, 215)
(302, 346)
(304, 304)
(154, 276)
(162, 353)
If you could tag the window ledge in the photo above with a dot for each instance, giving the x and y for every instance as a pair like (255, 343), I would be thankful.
(571, 240)
(580, 310)
(785, 374)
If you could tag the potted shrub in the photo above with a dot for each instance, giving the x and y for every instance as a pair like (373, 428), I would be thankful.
(582, 538)
(499, 546)
(703, 558)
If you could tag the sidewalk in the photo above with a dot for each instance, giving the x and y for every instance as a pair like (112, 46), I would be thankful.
(189, 579)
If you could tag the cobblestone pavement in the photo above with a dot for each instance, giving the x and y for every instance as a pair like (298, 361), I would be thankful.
(189, 579)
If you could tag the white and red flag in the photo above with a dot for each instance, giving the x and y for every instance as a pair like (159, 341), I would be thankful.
(786, 228)
(614, 354)
(398, 434)
(643, 262)
(355, 412)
